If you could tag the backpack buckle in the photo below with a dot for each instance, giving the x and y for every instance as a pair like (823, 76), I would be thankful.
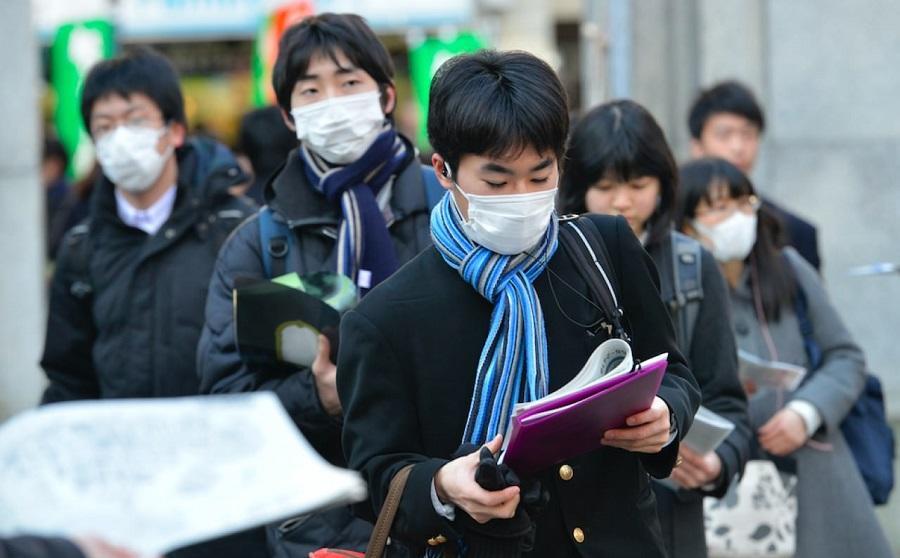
(278, 247)
(80, 289)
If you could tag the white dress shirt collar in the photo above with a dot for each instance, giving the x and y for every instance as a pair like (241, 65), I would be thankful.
(150, 219)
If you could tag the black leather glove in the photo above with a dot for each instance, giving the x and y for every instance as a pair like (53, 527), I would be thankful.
(501, 538)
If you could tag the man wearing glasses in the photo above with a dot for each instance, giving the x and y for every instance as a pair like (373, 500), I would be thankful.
(127, 297)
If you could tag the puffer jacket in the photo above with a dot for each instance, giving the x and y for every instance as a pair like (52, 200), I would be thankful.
(126, 308)
(314, 222)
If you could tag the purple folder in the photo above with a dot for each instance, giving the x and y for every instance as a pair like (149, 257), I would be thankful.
(574, 424)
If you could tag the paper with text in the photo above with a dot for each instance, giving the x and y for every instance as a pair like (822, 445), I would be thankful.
(155, 475)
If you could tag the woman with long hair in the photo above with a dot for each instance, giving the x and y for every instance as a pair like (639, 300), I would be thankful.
(781, 312)
(619, 163)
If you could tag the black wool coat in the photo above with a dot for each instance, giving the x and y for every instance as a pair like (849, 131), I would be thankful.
(712, 357)
(405, 377)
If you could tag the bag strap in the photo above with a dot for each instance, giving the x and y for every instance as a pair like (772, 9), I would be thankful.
(80, 251)
(688, 284)
(801, 309)
(582, 242)
(433, 189)
(276, 240)
(385, 520)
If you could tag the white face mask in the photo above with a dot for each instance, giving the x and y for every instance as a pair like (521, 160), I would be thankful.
(340, 129)
(507, 224)
(733, 238)
(129, 157)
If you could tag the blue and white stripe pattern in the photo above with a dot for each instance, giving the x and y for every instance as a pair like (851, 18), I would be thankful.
(513, 363)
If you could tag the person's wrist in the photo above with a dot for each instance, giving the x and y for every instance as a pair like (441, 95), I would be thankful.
(439, 479)
(718, 469)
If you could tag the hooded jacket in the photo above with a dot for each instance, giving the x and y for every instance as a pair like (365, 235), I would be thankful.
(126, 308)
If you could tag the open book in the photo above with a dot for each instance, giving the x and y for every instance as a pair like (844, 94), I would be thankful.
(571, 420)
(157, 474)
(280, 320)
(768, 373)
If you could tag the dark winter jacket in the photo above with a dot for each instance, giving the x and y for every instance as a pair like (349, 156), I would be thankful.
(38, 547)
(126, 308)
(314, 222)
(406, 374)
(712, 356)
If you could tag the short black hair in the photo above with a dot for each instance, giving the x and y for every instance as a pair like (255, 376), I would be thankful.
(619, 140)
(493, 103)
(725, 97)
(54, 149)
(706, 178)
(264, 139)
(327, 34)
(141, 70)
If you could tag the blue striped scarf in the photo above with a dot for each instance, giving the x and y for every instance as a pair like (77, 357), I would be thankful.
(513, 363)
(364, 244)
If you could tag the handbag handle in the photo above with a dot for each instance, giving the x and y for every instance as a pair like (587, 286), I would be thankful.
(382, 529)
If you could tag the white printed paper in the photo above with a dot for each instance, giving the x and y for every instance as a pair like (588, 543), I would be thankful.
(157, 474)
(768, 373)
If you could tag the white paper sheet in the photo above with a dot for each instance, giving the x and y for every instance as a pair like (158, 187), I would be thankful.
(708, 431)
(157, 474)
(769, 373)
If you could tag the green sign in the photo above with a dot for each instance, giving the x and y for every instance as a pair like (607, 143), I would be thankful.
(76, 48)
(424, 61)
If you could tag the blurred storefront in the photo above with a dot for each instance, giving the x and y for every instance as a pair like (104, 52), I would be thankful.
(213, 43)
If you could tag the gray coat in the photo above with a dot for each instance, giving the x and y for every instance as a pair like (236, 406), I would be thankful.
(835, 513)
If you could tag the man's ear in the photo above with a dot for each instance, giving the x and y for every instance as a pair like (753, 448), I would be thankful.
(697, 149)
(388, 99)
(437, 163)
(288, 120)
(177, 134)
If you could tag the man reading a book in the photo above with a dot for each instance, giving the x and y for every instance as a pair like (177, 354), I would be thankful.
(349, 200)
(434, 359)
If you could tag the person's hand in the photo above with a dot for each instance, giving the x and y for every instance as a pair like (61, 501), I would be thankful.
(784, 433)
(455, 483)
(696, 469)
(325, 374)
(93, 547)
(646, 432)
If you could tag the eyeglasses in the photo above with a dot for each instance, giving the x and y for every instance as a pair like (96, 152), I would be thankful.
(726, 207)
(133, 121)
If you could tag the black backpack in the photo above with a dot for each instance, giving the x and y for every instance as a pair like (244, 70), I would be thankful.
(687, 287)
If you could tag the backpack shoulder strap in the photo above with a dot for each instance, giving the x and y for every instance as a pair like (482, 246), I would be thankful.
(79, 255)
(433, 189)
(688, 284)
(275, 240)
(582, 242)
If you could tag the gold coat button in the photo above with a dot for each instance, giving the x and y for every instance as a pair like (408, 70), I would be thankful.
(578, 535)
(438, 540)
(566, 472)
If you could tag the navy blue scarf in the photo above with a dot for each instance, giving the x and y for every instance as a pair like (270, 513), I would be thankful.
(365, 251)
